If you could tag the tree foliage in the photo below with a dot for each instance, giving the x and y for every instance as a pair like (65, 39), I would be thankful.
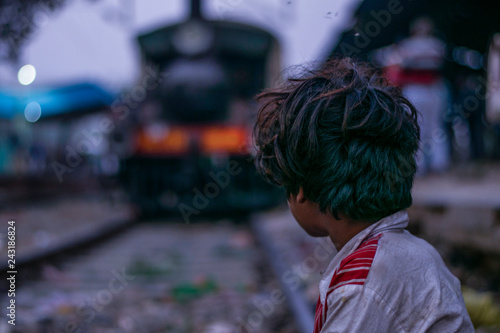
(18, 21)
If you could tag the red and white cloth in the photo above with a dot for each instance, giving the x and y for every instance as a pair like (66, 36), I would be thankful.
(387, 280)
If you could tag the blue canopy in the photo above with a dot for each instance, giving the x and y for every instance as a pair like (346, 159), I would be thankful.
(55, 101)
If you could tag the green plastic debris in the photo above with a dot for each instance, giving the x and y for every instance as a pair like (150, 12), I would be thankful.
(188, 291)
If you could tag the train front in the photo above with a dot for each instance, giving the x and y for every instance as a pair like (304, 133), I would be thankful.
(188, 144)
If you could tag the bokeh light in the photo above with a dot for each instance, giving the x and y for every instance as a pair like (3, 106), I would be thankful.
(32, 112)
(26, 74)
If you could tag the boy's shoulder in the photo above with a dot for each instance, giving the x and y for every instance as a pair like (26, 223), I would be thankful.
(390, 258)
(404, 252)
(410, 273)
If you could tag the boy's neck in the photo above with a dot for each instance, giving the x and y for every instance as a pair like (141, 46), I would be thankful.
(318, 224)
(343, 230)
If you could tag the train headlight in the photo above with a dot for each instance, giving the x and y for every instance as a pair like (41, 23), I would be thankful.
(193, 38)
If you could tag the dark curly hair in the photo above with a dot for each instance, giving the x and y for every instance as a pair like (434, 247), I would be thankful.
(343, 134)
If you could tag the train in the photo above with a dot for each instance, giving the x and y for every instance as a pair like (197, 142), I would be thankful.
(188, 136)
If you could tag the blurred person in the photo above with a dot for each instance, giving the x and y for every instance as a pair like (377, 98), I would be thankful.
(415, 65)
(342, 142)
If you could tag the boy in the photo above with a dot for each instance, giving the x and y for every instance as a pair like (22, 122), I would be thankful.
(342, 142)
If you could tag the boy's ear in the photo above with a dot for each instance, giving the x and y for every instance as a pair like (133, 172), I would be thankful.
(301, 198)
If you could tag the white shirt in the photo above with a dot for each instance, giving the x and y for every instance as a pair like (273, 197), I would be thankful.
(387, 280)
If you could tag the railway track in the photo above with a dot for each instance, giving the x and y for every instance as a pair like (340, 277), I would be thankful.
(34, 259)
(135, 276)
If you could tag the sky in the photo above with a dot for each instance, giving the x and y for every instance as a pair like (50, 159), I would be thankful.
(94, 41)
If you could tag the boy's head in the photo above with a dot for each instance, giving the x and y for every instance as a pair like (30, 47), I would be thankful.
(343, 135)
